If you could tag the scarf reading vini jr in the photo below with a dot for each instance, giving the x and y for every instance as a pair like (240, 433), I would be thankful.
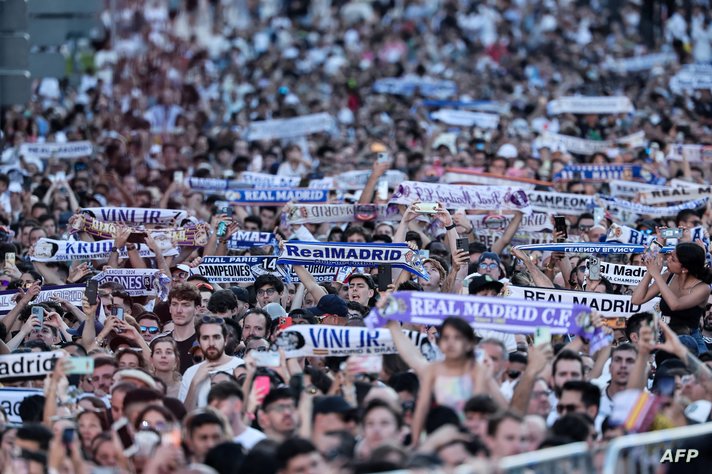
(135, 215)
(337, 254)
(485, 312)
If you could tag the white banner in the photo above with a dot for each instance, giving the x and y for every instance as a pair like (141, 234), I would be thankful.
(630, 189)
(582, 146)
(57, 150)
(466, 118)
(71, 293)
(306, 340)
(27, 364)
(136, 281)
(11, 398)
(640, 63)
(622, 274)
(610, 306)
(335, 213)
(615, 204)
(410, 84)
(50, 250)
(290, 127)
(136, 215)
(667, 195)
(590, 105)
(543, 201)
(691, 78)
(535, 222)
(451, 177)
(357, 179)
(691, 153)
(627, 235)
(264, 180)
(467, 197)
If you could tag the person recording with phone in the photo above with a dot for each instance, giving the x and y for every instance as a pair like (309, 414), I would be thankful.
(684, 288)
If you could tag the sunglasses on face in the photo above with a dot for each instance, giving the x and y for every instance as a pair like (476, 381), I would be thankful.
(149, 329)
(582, 268)
(514, 374)
(570, 408)
(491, 266)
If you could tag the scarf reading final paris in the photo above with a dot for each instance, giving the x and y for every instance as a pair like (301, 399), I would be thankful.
(486, 312)
(340, 254)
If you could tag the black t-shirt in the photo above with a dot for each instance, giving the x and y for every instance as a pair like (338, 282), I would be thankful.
(186, 358)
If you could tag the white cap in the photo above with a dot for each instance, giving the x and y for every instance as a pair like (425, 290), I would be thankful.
(507, 151)
(699, 411)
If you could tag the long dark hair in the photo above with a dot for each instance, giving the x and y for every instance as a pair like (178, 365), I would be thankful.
(692, 258)
(461, 326)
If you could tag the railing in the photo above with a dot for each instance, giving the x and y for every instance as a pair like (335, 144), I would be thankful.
(636, 453)
(642, 453)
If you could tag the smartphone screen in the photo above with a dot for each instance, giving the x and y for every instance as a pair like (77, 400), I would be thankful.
(10, 258)
(39, 312)
(91, 291)
(385, 277)
(121, 427)
(178, 176)
(118, 312)
(262, 387)
(68, 436)
(80, 365)
(463, 244)
(560, 226)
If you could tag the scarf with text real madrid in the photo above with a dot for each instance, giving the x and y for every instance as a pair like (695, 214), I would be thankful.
(337, 254)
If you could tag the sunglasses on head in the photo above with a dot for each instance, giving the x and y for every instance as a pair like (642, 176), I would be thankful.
(149, 329)
(212, 320)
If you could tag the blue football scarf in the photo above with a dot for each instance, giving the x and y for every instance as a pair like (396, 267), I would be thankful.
(264, 196)
(590, 247)
(136, 215)
(245, 240)
(338, 254)
(600, 173)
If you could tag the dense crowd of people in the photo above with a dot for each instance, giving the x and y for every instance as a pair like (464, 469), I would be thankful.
(250, 237)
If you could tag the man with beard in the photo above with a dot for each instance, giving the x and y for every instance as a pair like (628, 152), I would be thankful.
(212, 334)
(623, 359)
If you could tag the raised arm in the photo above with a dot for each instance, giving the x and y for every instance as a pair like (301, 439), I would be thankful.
(379, 169)
(509, 232)
(406, 349)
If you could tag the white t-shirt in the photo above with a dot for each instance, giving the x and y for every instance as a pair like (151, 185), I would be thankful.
(204, 387)
(249, 438)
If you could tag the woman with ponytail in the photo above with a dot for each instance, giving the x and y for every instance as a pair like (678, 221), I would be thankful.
(684, 288)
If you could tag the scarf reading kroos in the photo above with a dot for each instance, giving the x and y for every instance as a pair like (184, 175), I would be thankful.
(136, 215)
(464, 196)
(486, 312)
(187, 236)
(51, 250)
(339, 254)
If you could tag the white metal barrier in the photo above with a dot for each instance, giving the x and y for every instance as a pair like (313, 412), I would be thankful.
(635, 453)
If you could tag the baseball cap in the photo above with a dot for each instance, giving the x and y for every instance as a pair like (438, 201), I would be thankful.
(367, 278)
(332, 404)
(491, 256)
(330, 304)
(699, 411)
(481, 282)
(275, 310)
(182, 267)
(240, 293)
